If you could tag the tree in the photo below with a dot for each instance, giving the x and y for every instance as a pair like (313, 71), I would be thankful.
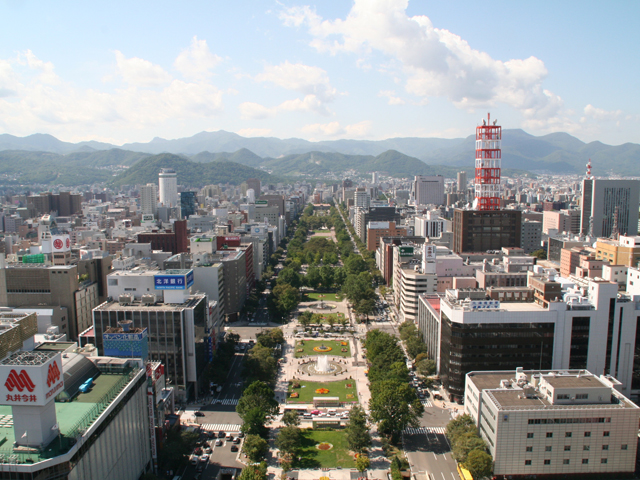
(540, 254)
(394, 406)
(305, 318)
(286, 297)
(288, 440)
(254, 472)
(313, 277)
(426, 367)
(357, 430)
(290, 418)
(362, 463)
(177, 448)
(415, 346)
(289, 276)
(260, 365)
(479, 464)
(466, 443)
(355, 265)
(330, 258)
(255, 447)
(256, 406)
(339, 276)
(327, 275)
(459, 426)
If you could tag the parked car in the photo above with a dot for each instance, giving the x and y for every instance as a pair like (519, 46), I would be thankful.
(218, 443)
(236, 440)
(208, 450)
(221, 434)
(198, 451)
(229, 436)
(198, 413)
(315, 412)
(234, 448)
(241, 435)
(204, 458)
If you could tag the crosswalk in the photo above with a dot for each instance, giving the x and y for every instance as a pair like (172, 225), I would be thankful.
(225, 401)
(225, 427)
(427, 403)
(425, 431)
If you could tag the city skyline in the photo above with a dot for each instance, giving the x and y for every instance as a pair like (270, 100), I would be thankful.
(331, 70)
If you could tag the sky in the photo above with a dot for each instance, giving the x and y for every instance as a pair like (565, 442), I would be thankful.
(124, 71)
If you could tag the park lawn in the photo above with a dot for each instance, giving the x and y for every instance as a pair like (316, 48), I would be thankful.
(311, 457)
(328, 232)
(338, 388)
(327, 297)
(336, 348)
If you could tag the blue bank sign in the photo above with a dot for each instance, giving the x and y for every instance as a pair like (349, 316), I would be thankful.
(174, 281)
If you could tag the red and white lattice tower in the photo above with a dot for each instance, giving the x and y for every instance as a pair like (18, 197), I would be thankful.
(488, 159)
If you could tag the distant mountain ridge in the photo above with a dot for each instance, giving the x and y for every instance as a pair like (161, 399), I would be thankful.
(552, 153)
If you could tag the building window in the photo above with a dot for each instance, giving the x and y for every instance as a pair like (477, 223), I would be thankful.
(529, 449)
(527, 462)
(567, 448)
(529, 435)
(547, 448)
(565, 461)
(605, 434)
(582, 396)
(586, 447)
(547, 462)
(563, 396)
(549, 434)
(605, 447)
(603, 460)
(587, 434)
(567, 434)
(585, 460)
(623, 447)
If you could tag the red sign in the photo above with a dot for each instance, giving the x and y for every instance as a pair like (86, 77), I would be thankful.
(57, 244)
(19, 381)
(53, 375)
(68, 243)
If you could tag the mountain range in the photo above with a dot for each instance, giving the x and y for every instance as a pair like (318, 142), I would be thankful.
(558, 153)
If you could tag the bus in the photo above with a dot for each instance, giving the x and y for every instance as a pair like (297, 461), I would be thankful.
(464, 473)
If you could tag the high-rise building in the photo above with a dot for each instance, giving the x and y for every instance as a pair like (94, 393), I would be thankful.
(361, 199)
(254, 183)
(149, 199)
(188, 204)
(479, 231)
(462, 182)
(374, 177)
(168, 179)
(428, 190)
(608, 202)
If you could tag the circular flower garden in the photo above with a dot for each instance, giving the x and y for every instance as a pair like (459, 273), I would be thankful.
(322, 348)
(324, 446)
(322, 391)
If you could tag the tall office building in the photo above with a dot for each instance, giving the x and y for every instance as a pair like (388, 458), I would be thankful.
(188, 204)
(428, 190)
(361, 199)
(149, 199)
(608, 202)
(168, 179)
(462, 182)
(254, 183)
(374, 178)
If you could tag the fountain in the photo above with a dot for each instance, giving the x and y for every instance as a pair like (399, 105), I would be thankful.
(323, 365)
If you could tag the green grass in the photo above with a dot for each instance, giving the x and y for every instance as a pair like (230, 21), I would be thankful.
(308, 348)
(311, 457)
(327, 297)
(338, 388)
(328, 232)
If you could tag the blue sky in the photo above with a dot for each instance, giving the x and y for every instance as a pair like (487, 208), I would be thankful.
(131, 71)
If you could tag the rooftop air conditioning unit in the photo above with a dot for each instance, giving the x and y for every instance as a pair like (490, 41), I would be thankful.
(125, 299)
(148, 299)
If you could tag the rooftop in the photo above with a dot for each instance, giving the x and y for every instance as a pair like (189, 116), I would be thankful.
(29, 358)
(574, 381)
(159, 307)
(74, 418)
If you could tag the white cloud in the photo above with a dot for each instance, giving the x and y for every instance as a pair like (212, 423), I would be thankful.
(599, 114)
(197, 61)
(256, 111)
(334, 129)
(304, 79)
(255, 132)
(141, 73)
(34, 99)
(434, 62)
(391, 95)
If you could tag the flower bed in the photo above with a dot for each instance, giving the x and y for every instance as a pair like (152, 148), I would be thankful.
(322, 391)
(294, 395)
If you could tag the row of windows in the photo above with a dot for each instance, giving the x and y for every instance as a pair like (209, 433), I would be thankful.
(543, 421)
(567, 448)
(579, 396)
(566, 461)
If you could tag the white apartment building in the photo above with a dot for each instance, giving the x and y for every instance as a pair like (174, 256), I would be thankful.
(428, 190)
(559, 422)
(414, 273)
(430, 225)
(149, 199)
(361, 200)
(168, 180)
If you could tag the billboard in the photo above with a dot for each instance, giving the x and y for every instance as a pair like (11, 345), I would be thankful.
(406, 251)
(430, 251)
(37, 385)
(173, 281)
(261, 202)
(60, 243)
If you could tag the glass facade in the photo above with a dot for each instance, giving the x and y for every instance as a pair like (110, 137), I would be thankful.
(496, 346)
(579, 343)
